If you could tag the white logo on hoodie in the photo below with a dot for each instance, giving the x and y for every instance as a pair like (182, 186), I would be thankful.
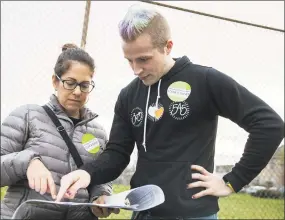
(137, 117)
(179, 110)
(155, 112)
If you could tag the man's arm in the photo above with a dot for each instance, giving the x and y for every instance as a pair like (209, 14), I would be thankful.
(265, 127)
(115, 158)
(111, 163)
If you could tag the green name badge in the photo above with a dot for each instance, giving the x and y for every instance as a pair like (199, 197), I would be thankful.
(90, 143)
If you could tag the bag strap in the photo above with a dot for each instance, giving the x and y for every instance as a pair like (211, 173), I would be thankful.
(65, 136)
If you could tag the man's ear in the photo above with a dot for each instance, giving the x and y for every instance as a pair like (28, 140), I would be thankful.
(169, 45)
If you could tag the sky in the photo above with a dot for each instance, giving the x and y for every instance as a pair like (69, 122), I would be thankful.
(33, 32)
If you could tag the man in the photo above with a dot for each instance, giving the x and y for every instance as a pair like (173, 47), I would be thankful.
(171, 112)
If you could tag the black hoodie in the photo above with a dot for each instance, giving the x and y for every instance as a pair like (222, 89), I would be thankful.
(180, 130)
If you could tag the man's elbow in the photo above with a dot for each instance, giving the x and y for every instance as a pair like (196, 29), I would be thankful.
(279, 131)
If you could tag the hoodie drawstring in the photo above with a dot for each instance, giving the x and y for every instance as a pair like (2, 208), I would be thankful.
(145, 119)
(146, 111)
(158, 94)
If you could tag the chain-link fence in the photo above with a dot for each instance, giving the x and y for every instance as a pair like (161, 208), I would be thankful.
(263, 198)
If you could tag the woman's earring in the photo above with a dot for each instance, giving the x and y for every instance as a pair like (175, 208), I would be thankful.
(55, 92)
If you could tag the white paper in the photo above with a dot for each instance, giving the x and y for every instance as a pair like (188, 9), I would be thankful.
(137, 199)
(38, 202)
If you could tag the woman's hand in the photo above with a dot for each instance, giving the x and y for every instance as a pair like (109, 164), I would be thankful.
(40, 178)
(103, 212)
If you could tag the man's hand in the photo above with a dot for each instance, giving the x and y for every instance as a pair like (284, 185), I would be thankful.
(40, 178)
(215, 186)
(103, 212)
(71, 183)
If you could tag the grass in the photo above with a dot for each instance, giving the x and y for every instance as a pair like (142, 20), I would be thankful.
(244, 206)
(3, 190)
(237, 206)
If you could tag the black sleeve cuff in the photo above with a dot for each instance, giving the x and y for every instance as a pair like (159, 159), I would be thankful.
(234, 181)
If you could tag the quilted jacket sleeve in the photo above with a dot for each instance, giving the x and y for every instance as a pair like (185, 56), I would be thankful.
(14, 158)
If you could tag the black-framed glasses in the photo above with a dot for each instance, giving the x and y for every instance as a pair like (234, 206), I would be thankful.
(70, 84)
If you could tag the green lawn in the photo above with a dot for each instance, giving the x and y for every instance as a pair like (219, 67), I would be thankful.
(237, 206)
(3, 190)
(244, 206)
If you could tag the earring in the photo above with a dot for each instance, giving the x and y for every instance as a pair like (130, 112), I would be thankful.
(55, 92)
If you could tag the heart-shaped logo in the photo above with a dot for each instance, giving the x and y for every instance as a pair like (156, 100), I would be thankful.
(155, 113)
(159, 113)
(151, 111)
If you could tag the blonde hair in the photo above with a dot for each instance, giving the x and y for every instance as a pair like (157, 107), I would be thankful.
(139, 20)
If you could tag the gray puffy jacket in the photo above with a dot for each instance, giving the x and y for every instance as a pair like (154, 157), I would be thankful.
(29, 132)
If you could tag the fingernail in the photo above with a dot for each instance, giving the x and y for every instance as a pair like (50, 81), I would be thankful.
(193, 197)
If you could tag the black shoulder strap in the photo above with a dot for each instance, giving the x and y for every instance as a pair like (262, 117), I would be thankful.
(65, 136)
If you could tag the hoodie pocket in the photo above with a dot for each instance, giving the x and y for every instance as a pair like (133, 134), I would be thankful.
(172, 177)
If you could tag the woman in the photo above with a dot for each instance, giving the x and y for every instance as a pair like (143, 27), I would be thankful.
(34, 156)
